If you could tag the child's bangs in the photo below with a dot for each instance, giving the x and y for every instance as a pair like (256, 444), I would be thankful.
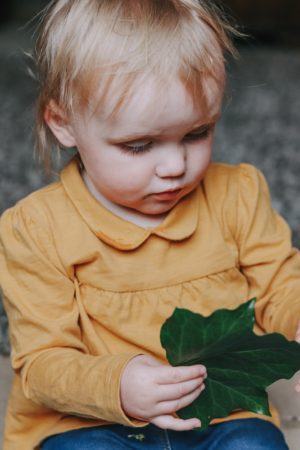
(185, 50)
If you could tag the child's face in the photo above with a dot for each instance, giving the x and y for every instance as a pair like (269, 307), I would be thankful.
(155, 151)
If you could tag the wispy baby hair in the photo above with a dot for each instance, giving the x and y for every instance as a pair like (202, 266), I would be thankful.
(86, 47)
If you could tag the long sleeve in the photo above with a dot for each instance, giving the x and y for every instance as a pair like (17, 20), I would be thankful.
(266, 257)
(47, 350)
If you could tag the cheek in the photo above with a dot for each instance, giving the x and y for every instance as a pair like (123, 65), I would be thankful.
(128, 176)
(200, 158)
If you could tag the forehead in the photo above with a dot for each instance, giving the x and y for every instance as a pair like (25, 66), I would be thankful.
(154, 103)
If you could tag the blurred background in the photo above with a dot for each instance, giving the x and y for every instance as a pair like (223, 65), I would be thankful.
(261, 117)
(260, 125)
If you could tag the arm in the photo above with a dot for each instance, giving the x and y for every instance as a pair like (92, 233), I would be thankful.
(270, 264)
(298, 340)
(54, 364)
(267, 259)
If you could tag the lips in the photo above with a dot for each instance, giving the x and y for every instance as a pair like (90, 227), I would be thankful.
(168, 195)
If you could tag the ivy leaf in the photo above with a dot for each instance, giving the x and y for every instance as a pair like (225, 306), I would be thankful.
(240, 365)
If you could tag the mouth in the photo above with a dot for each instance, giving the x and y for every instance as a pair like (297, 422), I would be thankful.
(168, 195)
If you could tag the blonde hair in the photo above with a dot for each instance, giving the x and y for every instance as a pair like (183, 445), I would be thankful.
(87, 46)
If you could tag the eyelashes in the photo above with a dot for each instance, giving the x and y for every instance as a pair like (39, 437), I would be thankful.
(136, 148)
(199, 135)
(141, 147)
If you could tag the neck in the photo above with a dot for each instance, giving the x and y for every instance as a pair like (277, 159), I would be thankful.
(131, 215)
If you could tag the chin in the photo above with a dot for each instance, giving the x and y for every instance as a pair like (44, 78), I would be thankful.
(162, 209)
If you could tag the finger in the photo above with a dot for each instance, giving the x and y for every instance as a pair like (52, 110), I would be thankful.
(298, 334)
(168, 422)
(176, 391)
(170, 375)
(172, 406)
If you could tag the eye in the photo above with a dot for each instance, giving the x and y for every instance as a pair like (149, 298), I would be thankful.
(136, 147)
(200, 134)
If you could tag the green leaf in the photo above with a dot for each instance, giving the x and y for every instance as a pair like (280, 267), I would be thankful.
(240, 365)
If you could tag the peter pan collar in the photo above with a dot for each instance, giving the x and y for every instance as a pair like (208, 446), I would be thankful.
(178, 225)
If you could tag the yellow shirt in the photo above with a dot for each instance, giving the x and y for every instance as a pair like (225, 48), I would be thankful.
(85, 291)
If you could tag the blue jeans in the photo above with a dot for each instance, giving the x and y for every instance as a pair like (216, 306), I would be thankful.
(243, 434)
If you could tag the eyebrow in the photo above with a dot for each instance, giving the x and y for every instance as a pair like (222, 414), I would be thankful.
(136, 136)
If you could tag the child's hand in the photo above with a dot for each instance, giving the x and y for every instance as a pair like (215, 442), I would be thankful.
(152, 392)
(298, 340)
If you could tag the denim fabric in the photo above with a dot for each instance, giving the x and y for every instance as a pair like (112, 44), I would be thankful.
(244, 434)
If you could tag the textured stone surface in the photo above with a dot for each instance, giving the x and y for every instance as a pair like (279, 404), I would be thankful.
(261, 122)
(260, 125)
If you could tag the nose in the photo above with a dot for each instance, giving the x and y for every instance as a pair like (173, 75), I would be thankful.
(172, 162)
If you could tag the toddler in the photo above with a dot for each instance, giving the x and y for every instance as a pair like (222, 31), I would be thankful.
(140, 222)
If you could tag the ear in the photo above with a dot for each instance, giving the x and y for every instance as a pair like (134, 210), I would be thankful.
(59, 124)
